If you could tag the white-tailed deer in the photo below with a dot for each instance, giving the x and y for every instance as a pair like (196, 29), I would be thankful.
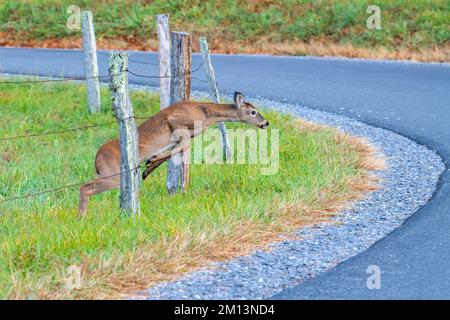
(166, 133)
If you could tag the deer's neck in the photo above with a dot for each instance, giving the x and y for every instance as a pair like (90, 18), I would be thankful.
(219, 112)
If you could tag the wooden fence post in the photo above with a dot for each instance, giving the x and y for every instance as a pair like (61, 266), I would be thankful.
(214, 93)
(162, 28)
(180, 88)
(128, 135)
(90, 61)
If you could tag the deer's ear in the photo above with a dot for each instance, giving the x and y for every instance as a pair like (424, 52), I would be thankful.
(238, 100)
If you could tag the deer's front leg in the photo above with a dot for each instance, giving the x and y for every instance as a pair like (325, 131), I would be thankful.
(186, 155)
(152, 166)
(159, 159)
(183, 135)
(176, 149)
(185, 141)
(156, 161)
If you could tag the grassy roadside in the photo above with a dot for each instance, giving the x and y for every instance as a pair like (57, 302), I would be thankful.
(415, 29)
(228, 211)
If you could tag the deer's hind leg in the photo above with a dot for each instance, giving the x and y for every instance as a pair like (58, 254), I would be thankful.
(94, 187)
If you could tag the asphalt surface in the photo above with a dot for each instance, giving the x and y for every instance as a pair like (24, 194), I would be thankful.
(409, 98)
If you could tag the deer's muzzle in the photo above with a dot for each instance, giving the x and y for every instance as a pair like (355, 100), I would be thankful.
(263, 125)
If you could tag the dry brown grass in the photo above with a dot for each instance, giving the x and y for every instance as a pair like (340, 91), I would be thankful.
(123, 276)
(318, 48)
(322, 48)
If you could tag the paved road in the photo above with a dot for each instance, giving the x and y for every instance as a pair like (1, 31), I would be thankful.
(411, 99)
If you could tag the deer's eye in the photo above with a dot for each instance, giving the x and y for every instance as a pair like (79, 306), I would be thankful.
(253, 113)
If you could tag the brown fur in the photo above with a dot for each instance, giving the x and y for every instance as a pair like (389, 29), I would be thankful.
(166, 133)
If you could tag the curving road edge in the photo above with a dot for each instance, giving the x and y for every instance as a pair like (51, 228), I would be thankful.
(408, 98)
(407, 184)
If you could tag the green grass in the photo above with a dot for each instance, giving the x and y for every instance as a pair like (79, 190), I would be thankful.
(413, 24)
(41, 236)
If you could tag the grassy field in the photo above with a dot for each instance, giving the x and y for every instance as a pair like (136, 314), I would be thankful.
(228, 210)
(411, 29)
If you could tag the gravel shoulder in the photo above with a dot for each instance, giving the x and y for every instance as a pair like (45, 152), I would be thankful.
(407, 184)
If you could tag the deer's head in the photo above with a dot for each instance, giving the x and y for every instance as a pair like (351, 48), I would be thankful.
(247, 112)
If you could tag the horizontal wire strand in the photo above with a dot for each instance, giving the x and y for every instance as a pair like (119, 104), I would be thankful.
(107, 76)
(65, 187)
(67, 130)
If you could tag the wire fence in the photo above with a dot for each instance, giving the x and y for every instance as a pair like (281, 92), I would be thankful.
(65, 79)
(77, 184)
(53, 132)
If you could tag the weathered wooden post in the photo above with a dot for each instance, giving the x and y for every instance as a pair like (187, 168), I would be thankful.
(162, 28)
(90, 61)
(128, 135)
(180, 88)
(214, 91)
